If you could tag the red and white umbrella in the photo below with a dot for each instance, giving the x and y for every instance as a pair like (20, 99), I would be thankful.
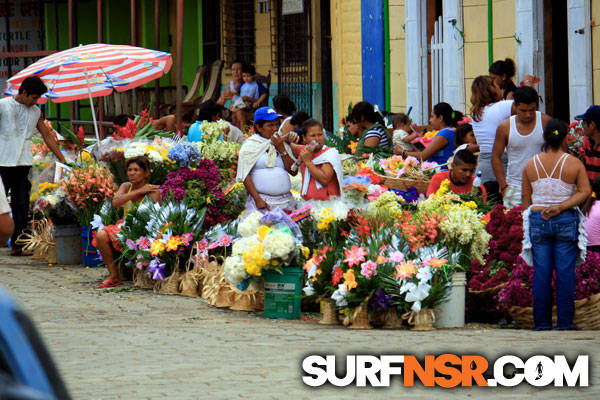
(93, 70)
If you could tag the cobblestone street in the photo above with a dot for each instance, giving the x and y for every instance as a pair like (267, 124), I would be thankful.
(134, 344)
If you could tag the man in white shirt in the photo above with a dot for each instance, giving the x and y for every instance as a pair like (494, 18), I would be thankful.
(19, 119)
(522, 136)
(6, 223)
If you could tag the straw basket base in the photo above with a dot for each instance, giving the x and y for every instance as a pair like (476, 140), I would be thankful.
(391, 320)
(169, 285)
(329, 313)
(141, 279)
(587, 314)
(189, 284)
(422, 320)
(360, 317)
(51, 257)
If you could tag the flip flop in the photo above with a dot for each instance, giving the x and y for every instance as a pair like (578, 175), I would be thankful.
(109, 283)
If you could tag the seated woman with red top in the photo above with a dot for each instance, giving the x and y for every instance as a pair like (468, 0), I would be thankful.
(460, 175)
(321, 166)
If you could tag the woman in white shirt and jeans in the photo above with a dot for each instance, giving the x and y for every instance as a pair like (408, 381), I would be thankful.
(554, 230)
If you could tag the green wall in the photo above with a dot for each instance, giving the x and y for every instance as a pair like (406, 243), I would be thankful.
(117, 30)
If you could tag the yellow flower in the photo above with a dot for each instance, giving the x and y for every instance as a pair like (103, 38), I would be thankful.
(469, 204)
(305, 251)
(208, 201)
(173, 243)
(444, 188)
(254, 260)
(263, 231)
(157, 247)
(350, 279)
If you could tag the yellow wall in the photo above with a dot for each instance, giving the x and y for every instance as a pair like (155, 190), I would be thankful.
(596, 49)
(397, 56)
(346, 49)
(476, 37)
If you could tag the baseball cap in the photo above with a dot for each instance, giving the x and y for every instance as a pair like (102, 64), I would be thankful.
(591, 114)
(265, 114)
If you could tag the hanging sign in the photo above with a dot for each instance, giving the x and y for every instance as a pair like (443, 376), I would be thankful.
(289, 7)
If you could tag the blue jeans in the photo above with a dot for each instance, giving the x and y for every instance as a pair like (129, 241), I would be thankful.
(554, 245)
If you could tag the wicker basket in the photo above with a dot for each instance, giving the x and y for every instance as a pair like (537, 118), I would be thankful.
(482, 305)
(404, 183)
(587, 314)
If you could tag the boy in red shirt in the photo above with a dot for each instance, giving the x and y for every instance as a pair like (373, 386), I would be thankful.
(460, 175)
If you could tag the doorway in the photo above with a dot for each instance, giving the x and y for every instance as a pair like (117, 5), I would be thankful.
(326, 72)
(210, 31)
(556, 59)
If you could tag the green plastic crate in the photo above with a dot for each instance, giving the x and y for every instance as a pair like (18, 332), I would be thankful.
(283, 293)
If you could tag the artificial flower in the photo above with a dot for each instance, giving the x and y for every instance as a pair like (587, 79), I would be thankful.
(350, 279)
(368, 269)
(355, 255)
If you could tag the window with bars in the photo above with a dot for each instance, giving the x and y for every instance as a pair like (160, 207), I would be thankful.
(239, 41)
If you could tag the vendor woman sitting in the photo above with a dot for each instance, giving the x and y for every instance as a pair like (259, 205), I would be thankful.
(264, 163)
(321, 166)
(460, 175)
(134, 191)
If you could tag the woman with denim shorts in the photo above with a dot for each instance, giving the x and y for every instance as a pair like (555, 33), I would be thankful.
(554, 226)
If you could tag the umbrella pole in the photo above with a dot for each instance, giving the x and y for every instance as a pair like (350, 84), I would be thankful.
(92, 107)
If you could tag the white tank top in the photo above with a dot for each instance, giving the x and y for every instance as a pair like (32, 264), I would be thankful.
(522, 148)
(549, 191)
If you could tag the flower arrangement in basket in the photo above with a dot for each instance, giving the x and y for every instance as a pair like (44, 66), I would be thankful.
(403, 173)
(200, 187)
(170, 231)
(269, 241)
(87, 187)
(517, 295)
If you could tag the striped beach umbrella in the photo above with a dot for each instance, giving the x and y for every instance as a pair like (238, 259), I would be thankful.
(93, 70)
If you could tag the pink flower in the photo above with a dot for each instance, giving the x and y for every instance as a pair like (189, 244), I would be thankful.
(143, 243)
(355, 255)
(213, 245)
(369, 268)
(203, 245)
(397, 257)
(186, 238)
(225, 241)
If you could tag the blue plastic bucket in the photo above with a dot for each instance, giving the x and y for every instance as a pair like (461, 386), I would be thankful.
(91, 258)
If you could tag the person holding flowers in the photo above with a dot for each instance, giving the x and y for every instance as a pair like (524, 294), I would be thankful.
(554, 232)
(134, 191)
(19, 120)
(264, 163)
(321, 166)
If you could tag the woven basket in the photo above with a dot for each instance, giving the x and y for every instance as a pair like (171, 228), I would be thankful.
(329, 313)
(142, 280)
(587, 314)
(482, 305)
(404, 183)
(360, 317)
(422, 320)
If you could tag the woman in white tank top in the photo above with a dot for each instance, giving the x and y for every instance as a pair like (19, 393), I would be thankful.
(554, 231)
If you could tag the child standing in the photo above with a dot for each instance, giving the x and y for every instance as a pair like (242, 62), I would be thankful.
(402, 137)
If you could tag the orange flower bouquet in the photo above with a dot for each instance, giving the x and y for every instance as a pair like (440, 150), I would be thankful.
(87, 187)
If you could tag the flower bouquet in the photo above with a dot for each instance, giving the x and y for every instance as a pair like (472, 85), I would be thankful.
(139, 127)
(575, 139)
(200, 188)
(213, 147)
(87, 187)
(269, 241)
(172, 228)
(156, 152)
(53, 204)
(488, 278)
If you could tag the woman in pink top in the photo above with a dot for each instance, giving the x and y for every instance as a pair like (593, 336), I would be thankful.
(554, 234)
(591, 209)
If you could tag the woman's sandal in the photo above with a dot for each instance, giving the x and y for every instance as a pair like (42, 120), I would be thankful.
(109, 283)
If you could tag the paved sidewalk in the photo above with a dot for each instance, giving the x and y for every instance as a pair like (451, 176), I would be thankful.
(134, 344)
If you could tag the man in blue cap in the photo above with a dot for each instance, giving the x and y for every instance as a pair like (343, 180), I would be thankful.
(591, 144)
